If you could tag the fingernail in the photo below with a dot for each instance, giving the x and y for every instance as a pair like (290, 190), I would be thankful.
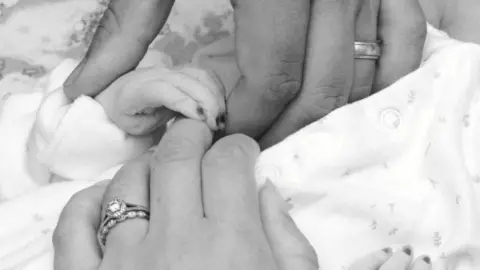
(387, 250)
(73, 76)
(427, 260)
(285, 205)
(221, 120)
(407, 250)
(201, 113)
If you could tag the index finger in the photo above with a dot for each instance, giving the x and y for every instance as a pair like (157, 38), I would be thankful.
(120, 42)
(175, 175)
(270, 38)
(229, 187)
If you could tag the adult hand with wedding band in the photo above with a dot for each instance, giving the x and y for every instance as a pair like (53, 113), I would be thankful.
(296, 56)
(189, 206)
(185, 206)
(303, 66)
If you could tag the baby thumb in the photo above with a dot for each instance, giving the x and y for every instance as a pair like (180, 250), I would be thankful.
(289, 246)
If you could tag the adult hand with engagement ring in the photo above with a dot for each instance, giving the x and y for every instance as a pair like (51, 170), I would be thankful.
(195, 206)
(189, 206)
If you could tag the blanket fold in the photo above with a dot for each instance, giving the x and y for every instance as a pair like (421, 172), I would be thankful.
(400, 167)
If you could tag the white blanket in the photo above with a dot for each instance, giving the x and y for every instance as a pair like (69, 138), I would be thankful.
(400, 167)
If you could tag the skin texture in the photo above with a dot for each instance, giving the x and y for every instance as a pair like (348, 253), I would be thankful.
(195, 202)
(332, 78)
(302, 66)
(199, 195)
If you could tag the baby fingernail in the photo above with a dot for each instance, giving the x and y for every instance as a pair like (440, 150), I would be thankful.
(407, 250)
(427, 260)
(221, 120)
(201, 113)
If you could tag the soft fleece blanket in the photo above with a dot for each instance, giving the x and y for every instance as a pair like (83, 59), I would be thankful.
(400, 167)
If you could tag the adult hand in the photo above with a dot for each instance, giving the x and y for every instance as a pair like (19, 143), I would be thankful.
(120, 42)
(297, 59)
(204, 212)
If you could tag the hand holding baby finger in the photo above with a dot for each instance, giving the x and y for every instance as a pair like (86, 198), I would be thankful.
(143, 100)
(229, 186)
(203, 197)
(118, 35)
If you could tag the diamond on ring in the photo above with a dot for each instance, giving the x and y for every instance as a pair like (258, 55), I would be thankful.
(116, 208)
(118, 211)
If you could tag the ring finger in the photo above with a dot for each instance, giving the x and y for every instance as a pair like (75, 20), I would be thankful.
(328, 76)
(130, 184)
(366, 31)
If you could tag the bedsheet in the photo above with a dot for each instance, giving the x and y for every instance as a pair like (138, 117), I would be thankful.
(400, 167)
(37, 35)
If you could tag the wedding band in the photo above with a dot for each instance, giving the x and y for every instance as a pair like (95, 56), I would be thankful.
(118, 211)
(367, 50)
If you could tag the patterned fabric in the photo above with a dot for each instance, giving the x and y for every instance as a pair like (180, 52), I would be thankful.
(37, 35)
(400, 167)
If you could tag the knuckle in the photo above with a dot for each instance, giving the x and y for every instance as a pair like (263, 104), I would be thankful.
(323, 99)
(281, 88)
(230, 148)
(175, 149)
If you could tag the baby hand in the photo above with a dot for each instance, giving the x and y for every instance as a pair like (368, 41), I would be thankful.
(143, 100)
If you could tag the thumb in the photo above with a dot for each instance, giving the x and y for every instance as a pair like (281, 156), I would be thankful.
(74, 239)
(120, 42)
(289, 246)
